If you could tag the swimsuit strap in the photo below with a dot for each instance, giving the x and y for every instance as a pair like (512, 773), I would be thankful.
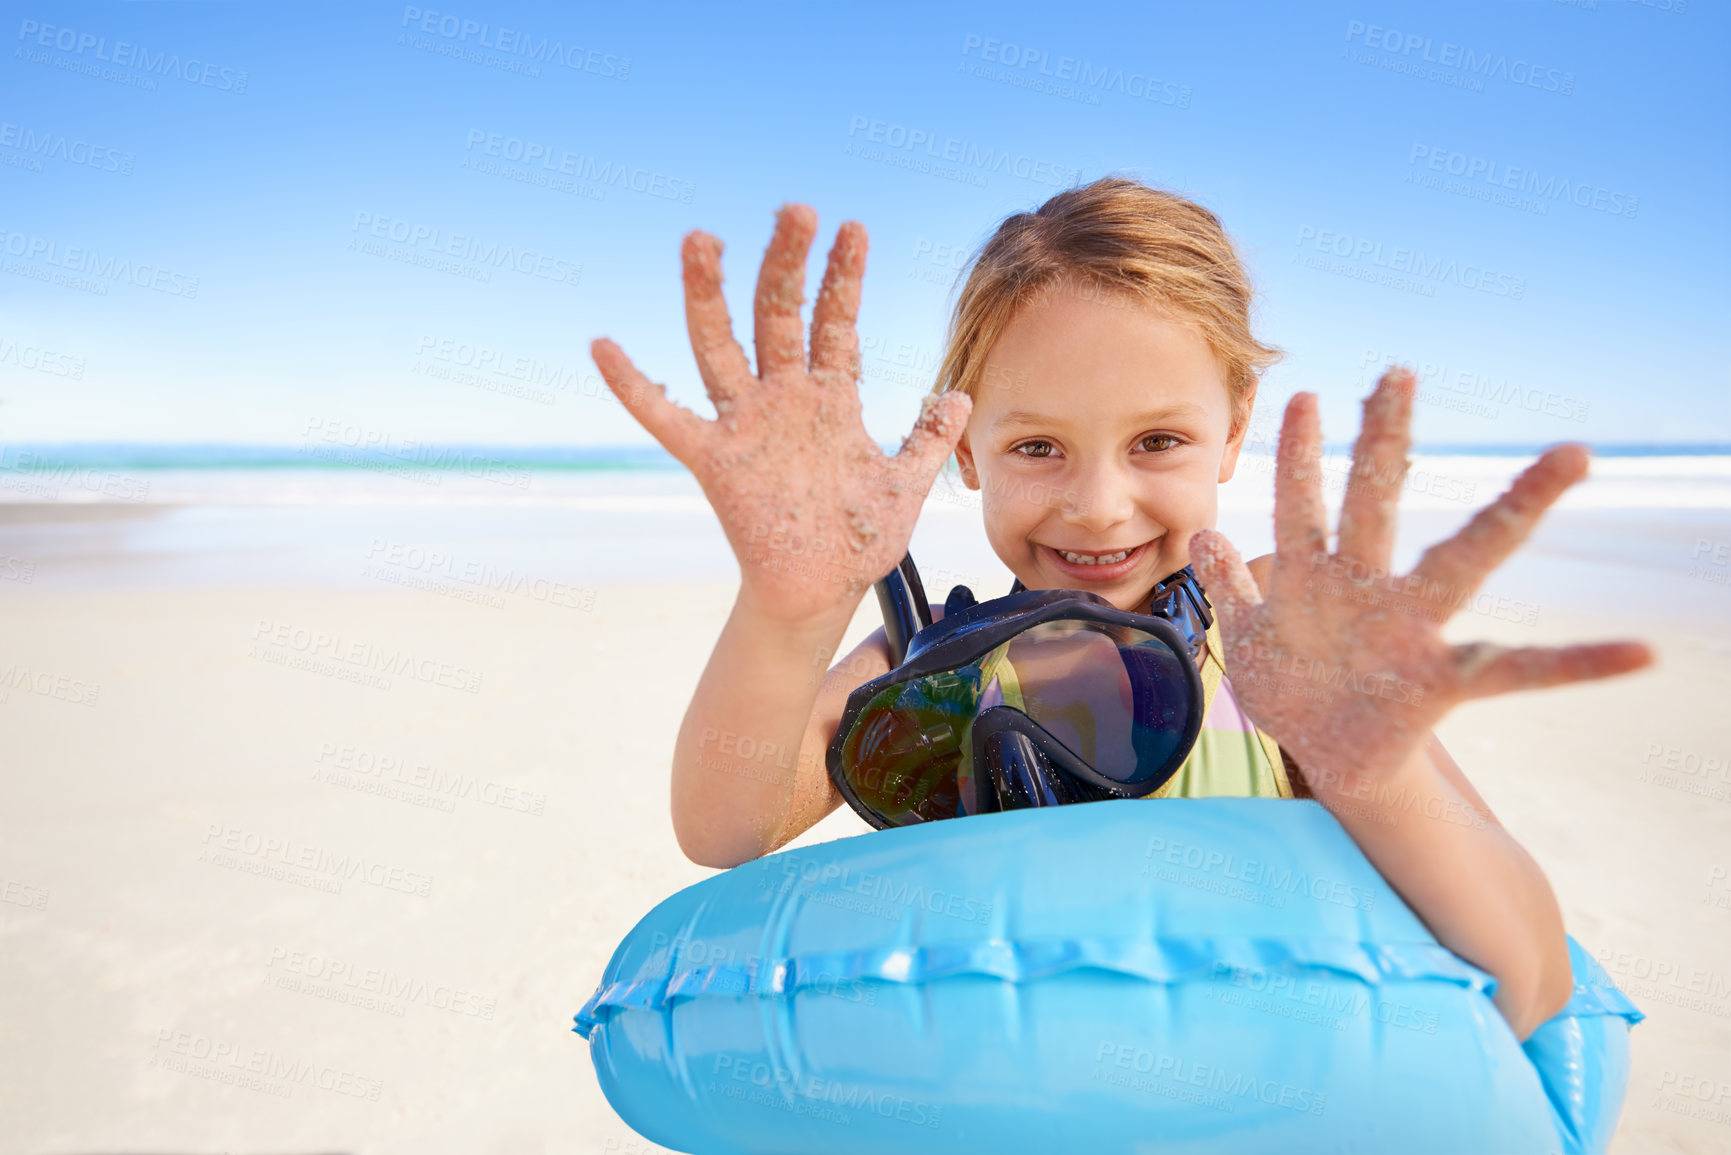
(1211, 741)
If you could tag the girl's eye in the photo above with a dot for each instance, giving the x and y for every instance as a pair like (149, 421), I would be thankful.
(1165, 437)
(1034, 449)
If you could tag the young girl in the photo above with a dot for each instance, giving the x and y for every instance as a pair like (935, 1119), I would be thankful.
(1096, 388)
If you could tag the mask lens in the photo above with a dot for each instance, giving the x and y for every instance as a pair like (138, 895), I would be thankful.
(1114, 695)
(903, 753)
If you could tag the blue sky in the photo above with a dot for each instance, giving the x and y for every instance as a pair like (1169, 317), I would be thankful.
(228, 222)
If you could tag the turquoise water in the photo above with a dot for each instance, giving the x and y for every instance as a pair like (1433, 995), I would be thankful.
(318, 452)
(473, 523)
(358, 451)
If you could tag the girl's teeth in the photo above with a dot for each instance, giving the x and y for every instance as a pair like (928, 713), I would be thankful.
(1094, 559)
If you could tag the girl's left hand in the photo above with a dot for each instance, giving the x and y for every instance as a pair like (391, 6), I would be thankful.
(1345, 664)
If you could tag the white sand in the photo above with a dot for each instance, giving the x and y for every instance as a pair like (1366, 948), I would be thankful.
(150, 948)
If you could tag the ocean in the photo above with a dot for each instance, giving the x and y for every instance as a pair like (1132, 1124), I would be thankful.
(1650, 522)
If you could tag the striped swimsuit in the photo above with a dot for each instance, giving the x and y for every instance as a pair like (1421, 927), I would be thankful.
(1231, 758)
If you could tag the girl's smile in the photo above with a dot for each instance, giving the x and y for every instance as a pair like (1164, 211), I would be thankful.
(1097, 567)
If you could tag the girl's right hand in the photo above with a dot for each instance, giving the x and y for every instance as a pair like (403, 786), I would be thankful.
(814, 511)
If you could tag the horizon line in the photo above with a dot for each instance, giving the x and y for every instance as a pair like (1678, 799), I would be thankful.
(310, 453)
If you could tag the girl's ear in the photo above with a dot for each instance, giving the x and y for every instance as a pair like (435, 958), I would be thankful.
(965, 459)
(1240, 427)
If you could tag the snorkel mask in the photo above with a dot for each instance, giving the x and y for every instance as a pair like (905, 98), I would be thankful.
(1037, 698)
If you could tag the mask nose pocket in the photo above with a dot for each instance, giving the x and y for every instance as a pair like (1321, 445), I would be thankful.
(961, 598)
(1020, 775)
(1014, 767)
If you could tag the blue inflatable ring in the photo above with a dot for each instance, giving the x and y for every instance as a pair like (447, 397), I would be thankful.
(1187, 975)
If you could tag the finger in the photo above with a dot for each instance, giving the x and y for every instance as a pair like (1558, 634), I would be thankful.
(781, 291)
(1484, 670)
(1300, 517)
(720, 360)
(1369, 510)
(942, 421)
(834, 340)
(1452, 571)
(678, 429)
(1225, 579)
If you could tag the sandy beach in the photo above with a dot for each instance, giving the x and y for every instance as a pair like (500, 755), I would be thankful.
(174, 748)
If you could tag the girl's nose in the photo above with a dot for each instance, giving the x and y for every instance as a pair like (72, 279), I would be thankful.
(1098, 497)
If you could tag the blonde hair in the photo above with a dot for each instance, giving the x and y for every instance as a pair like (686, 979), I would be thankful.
(1113, 238)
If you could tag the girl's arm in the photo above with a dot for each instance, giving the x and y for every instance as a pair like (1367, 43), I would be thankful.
(814, 511)
(1345, 666)
(745, 778)
(799, 789)
(1479, 891)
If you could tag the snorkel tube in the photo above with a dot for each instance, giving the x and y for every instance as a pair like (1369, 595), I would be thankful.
(902, 598)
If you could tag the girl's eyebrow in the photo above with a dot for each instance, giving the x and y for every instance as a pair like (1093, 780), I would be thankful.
(1186, 409)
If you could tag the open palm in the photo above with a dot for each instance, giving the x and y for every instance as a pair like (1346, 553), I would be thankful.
(814, 510)
(1345, 664)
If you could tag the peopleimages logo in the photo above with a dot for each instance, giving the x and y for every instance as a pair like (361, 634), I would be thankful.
(890, 890)
(278, 641)
(461, 32)
(908, 139)
(1270, 876)
(1473, 169)
(1414, 266)
(1473, 65)
(580, 166)
(1080, 78)
(413, 235)
(47, 145)
(41, 360)
(87, 262)
(125, 55)
(317, 860)
(48, 475)
(175, 1048)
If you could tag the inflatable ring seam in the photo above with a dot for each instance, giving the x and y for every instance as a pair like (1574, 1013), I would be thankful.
(1166, 961)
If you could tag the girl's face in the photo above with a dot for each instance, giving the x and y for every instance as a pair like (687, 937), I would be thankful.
(1098, 440)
